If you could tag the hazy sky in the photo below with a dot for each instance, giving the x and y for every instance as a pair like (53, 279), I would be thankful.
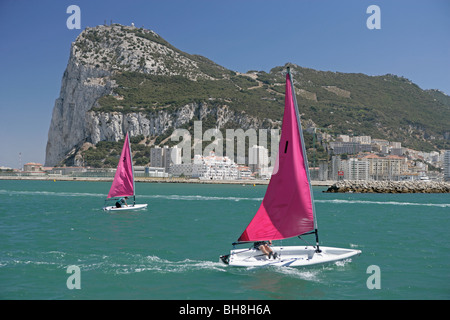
(241, 35)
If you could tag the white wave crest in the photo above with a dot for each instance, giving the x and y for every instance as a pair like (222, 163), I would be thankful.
(199, 198)
(52, 194)
(142, 196)
(156, 264)
(299, 273)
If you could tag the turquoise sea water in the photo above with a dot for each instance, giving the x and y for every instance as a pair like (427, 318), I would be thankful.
(171, 250)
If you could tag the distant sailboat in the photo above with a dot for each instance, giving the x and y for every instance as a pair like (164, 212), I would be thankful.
(287, 209)
(123, 183)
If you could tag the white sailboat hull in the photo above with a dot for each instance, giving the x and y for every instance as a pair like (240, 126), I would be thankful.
(290, 256)
(125, 208)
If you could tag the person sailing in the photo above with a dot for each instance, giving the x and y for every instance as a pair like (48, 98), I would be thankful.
(265, 248)
(121, 202)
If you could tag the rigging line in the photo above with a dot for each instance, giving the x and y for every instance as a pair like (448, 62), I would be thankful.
(307, 243)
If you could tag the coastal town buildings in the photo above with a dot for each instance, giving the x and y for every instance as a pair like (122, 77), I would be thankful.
(353, 158)
(350, 158)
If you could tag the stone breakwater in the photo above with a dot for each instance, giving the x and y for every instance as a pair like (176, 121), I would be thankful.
(390, 187)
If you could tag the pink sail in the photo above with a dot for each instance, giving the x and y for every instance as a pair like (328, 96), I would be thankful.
(123, 184)
(286, 210)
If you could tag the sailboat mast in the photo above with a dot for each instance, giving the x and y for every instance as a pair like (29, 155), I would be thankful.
(305, 158)
(132, 167)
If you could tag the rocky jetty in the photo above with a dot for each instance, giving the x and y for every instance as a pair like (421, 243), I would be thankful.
(390, 187)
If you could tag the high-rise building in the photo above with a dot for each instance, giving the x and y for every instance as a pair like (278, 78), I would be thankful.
(258, 160)
(165, 157)
(171, 156)
(447, 165)
(156, 157)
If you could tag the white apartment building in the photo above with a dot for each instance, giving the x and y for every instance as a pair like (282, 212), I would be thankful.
(210, 168)
(351, 169)
(362, 139)
(213, 167)
(370, 167)
(244, 173)
(344, 138)
(386, 168)
(356, 169)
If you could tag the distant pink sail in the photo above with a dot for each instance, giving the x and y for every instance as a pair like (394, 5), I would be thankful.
(123, 185)
(286, 210)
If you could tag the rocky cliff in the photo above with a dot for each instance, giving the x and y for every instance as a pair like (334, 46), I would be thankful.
(121, 78)
(81, 86)
(96, 56)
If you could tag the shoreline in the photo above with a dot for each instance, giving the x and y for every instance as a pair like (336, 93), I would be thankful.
(346, 186)
(154, 180)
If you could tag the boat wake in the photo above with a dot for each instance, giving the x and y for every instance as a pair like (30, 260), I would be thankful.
(154, 196)
(309, 274)
(156, 264)
(128, 264)
(51, 193)
(117, 264)
(302, 274)
(213, 198)
(199, 198)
